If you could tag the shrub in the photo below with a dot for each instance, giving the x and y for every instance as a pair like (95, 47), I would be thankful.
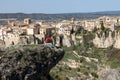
(114, 64)
(82, 59)
(94, 74)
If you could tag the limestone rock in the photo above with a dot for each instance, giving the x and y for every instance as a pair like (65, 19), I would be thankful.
(110, 74)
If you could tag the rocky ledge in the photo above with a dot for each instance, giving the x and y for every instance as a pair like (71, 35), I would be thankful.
(30, 62)
(110, 74)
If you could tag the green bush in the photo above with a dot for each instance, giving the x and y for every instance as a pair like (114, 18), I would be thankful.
(114, 64)
(82, 59)
(94, 74)
(83, 70)
(78, 69)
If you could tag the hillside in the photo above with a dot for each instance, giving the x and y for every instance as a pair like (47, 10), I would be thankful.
(41, 16)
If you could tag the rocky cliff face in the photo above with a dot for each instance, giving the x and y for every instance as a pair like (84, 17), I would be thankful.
(28, 62)
(110, 74)
(105, 42)
(102, 41)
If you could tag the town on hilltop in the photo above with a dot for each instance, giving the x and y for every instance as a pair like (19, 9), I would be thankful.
(64, 33)
(91, 48)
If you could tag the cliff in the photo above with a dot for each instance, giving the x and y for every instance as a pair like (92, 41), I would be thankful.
(110, 74)
(30, 62)
(103, 41)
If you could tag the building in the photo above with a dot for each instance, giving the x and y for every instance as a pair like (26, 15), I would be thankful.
(89, 25)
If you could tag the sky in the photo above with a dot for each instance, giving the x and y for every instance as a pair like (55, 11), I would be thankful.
(58, 6)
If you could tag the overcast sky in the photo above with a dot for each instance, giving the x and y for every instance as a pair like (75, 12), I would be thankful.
(57, 6)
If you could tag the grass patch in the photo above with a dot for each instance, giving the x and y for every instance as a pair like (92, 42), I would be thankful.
(70, 55)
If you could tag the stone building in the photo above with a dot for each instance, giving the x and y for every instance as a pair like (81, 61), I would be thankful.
(108, 22)
(46, 29)
(27, 21)
(11, 39)
(89, 25)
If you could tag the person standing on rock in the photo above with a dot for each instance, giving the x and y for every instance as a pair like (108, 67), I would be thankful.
(48, 41)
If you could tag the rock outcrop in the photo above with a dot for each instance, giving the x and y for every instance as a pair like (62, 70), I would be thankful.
(102, 41)
(105, 42)
(30, 62)
(110, 74)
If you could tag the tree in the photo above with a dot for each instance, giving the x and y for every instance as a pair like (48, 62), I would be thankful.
(102, 26)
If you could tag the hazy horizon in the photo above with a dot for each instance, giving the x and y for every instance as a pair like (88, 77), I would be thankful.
(56, 13)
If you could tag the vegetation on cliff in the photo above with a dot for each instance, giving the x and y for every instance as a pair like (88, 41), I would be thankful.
(87, 63)
(30, 62)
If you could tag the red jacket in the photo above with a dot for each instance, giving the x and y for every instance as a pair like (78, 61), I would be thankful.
(48, 40)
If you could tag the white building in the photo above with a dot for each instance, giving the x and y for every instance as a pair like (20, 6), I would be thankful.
(89, 25)
(11, 39)
(30, 31)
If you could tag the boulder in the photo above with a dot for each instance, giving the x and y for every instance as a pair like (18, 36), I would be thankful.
(28, 62)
